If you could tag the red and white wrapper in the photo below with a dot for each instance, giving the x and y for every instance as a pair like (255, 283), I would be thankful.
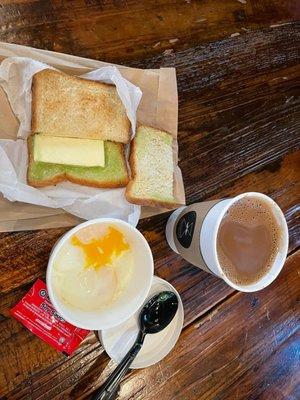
(36, 312)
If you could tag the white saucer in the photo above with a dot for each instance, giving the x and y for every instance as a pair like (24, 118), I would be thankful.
(118, 340)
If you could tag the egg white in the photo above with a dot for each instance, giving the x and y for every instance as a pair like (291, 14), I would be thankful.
(89, 289)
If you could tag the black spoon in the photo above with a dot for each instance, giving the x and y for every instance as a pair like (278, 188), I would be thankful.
(156, 314)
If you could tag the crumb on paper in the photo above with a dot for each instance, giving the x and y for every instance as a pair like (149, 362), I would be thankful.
(156, 44)
(173, 40)
(234, 34)
(168, 52)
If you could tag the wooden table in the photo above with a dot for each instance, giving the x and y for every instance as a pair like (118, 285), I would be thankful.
(238, 69)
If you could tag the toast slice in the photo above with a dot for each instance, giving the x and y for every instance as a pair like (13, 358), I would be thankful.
(113, 175)
(65, 105)
(152, 168)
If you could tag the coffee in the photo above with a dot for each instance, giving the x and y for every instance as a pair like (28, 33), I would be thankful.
(248, 240)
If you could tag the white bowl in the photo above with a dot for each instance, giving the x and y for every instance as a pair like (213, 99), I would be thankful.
(130, 299)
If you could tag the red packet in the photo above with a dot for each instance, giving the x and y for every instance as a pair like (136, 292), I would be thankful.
(36, 312)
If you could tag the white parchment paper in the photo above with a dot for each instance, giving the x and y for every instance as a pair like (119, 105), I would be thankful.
(16, 77)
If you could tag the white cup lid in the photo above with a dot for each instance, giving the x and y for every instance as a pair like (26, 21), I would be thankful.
(118, 340)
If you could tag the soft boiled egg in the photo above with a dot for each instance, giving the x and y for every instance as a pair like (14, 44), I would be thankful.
(92, 268)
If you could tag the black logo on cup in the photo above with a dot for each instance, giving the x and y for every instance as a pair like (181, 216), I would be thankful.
(185, 229)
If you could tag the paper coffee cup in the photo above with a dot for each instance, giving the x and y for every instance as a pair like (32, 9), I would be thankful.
(191, 231)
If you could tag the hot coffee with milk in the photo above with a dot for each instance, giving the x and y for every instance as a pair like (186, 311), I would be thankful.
(242, 240)
(248, 240)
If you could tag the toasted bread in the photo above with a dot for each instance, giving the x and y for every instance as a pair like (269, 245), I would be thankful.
(151, 163)
(65, 105)
(113, 175)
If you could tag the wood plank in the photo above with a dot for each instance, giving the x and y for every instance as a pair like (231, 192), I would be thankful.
(24, 256)
(114, 30)
(277, 378)
(237, 112)
(216, 357)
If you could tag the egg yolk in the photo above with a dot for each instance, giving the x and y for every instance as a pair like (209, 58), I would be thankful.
(101, 251)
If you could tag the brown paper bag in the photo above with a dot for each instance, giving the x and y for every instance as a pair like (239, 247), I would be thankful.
(158, 108)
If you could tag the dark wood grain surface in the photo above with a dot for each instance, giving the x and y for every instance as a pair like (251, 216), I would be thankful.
(238, 76)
